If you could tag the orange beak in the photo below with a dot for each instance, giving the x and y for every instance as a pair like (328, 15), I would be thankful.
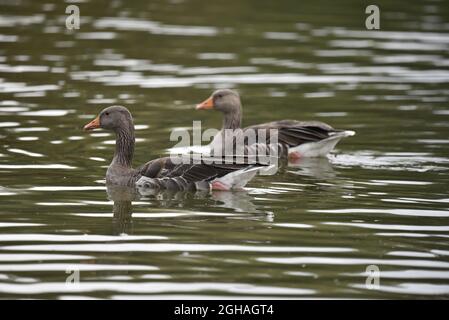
(206, 104)
(94, 124)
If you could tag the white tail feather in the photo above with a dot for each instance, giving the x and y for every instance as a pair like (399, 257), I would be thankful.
(238, 179)
(321, 148)
(343, 134)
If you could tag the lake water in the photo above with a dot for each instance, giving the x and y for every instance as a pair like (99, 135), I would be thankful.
(381, 199)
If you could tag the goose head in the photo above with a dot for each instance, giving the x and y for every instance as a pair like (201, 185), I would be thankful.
(224, 100)
(114, 118)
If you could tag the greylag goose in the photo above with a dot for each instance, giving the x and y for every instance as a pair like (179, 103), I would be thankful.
(300, 138)
(163, 173)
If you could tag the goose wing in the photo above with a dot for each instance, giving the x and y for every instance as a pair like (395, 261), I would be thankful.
(162, 173)
(293, 133)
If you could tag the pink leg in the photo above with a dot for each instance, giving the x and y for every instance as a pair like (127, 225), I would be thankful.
(217, 185)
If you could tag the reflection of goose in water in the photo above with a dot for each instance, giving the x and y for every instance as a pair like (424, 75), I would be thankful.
(122, 208)
(240, 202)
(319, 168)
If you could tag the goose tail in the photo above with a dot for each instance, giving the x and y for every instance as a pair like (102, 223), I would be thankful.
(319, 148)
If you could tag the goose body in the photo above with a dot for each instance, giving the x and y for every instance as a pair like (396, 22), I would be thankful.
(164, 173)
(297, 138)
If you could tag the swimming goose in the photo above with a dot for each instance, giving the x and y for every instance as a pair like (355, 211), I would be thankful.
(301, 138)
(163, 173)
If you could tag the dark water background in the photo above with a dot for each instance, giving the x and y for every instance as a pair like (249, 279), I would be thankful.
(310, 231)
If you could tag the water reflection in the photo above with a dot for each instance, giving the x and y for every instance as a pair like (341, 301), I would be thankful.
(123, 197)
(237, 201)
(320, 168)
(122, 207)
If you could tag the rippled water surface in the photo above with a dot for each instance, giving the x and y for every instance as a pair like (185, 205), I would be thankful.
(310, 231)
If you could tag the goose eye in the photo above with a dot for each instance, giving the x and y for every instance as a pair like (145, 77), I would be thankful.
(106, 113)
(219, 96)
